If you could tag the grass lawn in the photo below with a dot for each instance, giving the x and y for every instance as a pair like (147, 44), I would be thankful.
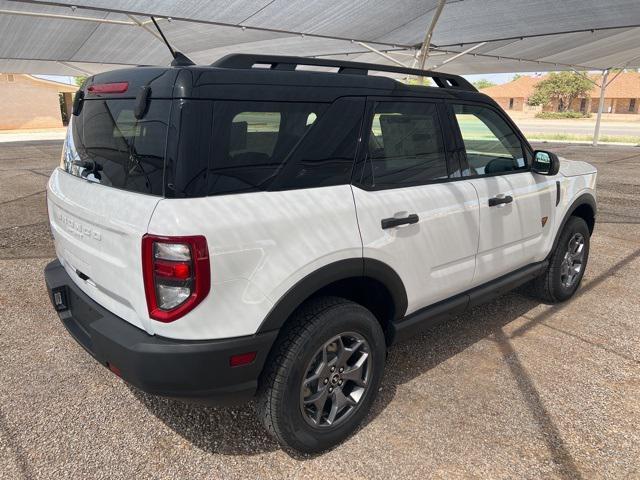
(584, 138)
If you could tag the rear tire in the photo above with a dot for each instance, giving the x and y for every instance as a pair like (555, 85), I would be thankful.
(567, 264)
(322, 375)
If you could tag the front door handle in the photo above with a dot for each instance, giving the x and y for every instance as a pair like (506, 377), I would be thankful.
(500, 200)
(395, 222)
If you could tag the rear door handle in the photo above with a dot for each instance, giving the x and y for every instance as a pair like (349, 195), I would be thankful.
(500, 200)
(395, 222)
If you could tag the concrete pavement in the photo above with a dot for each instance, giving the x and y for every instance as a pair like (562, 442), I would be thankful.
(512, 389)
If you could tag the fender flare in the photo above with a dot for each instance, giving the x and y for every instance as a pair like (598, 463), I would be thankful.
(328, 274)
(584, 199)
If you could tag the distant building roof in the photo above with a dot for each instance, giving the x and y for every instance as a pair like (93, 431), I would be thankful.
(625, 85)
(62, 87)
(59, 86)
(520, 87)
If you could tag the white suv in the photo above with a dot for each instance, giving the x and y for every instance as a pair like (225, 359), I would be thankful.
(228, 231)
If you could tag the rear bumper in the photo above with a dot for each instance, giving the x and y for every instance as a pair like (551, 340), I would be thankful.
(190, 370)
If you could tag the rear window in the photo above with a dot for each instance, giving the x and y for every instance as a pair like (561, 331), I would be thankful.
(116, 149)
(245, 146)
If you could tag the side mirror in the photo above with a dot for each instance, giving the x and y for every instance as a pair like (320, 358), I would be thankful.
(545, 163)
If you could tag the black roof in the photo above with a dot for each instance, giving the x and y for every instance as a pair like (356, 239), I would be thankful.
(266, 77)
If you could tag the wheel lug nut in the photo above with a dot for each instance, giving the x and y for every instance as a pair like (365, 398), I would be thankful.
(330, 389)
(341, 369)
(333, 369)
(340, 382)
(325, 381)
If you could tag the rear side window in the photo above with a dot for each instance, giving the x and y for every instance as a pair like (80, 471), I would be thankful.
(490, 143)
(405, 146)
(116, 149)
(254, 132)
(259, 146)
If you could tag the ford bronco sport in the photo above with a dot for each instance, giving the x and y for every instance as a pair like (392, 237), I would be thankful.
(231, 231)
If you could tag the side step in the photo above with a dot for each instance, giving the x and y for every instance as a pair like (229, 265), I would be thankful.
(438, 312)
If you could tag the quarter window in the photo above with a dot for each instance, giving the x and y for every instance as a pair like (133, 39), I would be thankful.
(490, 143)
(405, 146)
(244, 146)
(254, 132)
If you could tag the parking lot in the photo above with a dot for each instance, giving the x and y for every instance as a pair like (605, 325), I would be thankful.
(512, 389)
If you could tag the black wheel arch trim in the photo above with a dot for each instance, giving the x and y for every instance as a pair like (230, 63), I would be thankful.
(583, 199)
(333, 272)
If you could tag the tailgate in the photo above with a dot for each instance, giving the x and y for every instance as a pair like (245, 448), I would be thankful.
(98, 236)
(111, 178)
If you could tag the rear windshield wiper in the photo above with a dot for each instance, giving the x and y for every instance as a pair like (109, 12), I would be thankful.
(134, 157)
(89, 166)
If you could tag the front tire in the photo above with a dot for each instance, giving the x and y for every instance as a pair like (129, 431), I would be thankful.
(567, 263)
(323, 374)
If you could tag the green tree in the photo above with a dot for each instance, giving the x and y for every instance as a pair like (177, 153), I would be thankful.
(483, 83)
(79, 80)
(516, 77)
(564, 87)
(63, 109)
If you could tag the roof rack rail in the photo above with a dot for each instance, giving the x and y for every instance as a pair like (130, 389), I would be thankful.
(279, 62)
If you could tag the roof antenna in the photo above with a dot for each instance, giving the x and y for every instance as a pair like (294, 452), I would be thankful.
(179, 59)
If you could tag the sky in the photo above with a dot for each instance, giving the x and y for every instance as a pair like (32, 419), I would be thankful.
(497, 78)
(57, 78)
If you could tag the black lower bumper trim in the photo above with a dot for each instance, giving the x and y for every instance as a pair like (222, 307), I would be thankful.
(191, 370)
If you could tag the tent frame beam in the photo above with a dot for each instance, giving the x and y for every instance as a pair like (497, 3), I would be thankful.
(539, 62)
(382, 54)
(535, 35)
(145, 27)
(468, 50)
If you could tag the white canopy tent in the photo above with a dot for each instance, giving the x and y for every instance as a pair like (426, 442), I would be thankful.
(455, 36)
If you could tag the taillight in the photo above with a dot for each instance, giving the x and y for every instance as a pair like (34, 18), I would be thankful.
(176, 273)
(116, 87)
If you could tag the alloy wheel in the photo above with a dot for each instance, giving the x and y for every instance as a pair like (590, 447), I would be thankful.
(573, 261)
(336, 380)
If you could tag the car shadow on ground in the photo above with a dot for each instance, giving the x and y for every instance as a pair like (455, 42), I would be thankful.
(237, 431)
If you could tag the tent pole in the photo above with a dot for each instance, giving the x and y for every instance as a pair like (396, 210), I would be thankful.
(603, 87)
(426, 44)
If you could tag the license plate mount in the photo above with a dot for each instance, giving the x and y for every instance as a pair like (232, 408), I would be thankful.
(60, 298)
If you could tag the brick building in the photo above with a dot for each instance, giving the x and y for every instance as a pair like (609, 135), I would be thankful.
(621, 96)
(31, 102)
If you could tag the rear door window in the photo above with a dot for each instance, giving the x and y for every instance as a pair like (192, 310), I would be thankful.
(405, 146)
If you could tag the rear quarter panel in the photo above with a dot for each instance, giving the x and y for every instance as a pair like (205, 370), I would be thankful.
(260, 244)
